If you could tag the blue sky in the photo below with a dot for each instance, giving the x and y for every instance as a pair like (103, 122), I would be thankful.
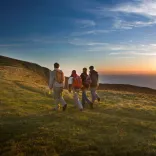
(112, 35)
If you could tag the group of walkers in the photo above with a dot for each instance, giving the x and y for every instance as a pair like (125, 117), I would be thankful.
(76, 84)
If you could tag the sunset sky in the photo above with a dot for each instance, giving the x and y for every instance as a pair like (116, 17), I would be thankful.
(116, 36)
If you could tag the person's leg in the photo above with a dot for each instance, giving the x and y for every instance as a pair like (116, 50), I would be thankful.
(83, 98)
(97, 96)
(80, 105)
(86, 98)
(56, 98)
(77, 101)
(93, 94)
(75, 98)
(62, 101)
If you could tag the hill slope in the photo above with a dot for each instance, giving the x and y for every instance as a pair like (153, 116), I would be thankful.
(122, 124)
(14, 67)
(18, 65)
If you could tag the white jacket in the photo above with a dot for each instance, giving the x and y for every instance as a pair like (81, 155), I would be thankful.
(70, 80)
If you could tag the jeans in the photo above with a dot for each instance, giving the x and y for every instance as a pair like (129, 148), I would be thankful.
(85, 98)
(94, 94)
(76, 98)
(58, 96)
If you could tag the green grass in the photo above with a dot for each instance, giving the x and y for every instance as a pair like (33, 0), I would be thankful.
(122, 124)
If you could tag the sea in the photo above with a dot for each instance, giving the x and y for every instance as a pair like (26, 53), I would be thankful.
(137, 80)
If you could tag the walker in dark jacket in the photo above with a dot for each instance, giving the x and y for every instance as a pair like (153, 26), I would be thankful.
(94, 84)
(86, 84)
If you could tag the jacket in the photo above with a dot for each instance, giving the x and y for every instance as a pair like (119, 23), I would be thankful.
(94, 78)
(84, 80)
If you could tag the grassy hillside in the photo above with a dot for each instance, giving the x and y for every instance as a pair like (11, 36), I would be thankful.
(122, 124)
(35, 68)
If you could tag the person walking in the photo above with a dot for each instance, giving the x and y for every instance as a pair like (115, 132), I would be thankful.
(56, 82)
(74, 85)
(86, 81)
(94, 84)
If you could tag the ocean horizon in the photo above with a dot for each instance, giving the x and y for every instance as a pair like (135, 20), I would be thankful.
(137, 80)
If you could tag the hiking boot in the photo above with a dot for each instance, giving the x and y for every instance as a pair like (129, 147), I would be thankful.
(64, 107)
(99, 99)
(54, 109)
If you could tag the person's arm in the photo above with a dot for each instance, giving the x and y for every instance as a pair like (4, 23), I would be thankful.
(51, 80)
(82, 81)
(81, 76)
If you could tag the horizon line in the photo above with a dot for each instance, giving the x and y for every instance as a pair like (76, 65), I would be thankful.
(101, 72)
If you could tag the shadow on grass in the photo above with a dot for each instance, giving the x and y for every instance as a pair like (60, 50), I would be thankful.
(62, 134)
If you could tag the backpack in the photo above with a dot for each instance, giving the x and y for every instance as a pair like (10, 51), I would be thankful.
(77, 82)
(87, 82)
(94, 79)
(59, 76)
